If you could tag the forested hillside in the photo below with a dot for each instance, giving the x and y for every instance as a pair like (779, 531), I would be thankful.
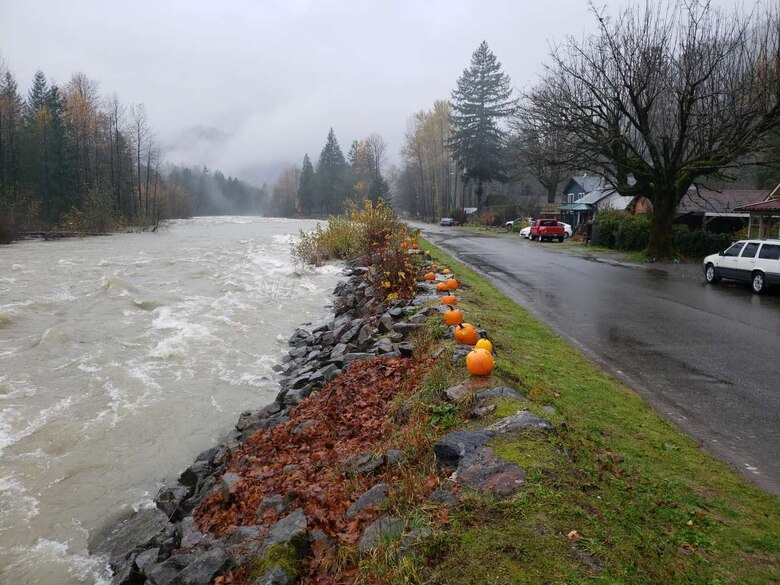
(76, 160)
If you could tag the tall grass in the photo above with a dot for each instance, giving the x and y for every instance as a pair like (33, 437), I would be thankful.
(362, 231)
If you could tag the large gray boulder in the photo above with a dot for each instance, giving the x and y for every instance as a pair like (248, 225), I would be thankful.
(189, 536)
(290, 529)
(206, 566)
(483, 471)
(500, 392)
(170, 497)
(386, 527)
(374, 497)
(450, 450)
(140, 531)
(165, 572)
(522, 419)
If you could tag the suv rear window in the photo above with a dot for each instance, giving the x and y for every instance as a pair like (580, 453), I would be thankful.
(770, 252)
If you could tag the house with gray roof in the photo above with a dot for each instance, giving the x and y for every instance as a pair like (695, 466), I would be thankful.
(718, 211)
(587, 195)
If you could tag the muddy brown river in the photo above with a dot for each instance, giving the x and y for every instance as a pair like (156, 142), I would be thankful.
(121, 358)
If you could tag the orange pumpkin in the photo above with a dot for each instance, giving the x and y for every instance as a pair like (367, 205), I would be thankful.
(430, 276)
(449, 300)
(466, 334)
(479, 362)
(441, 287)
(446, 271)
(453, 316)
(484, 344)
(434, 266)
(452, 284)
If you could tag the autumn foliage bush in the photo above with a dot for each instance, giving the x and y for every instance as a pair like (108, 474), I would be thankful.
(372, 232)
(487, 218)
(357, 233)
(340, 240)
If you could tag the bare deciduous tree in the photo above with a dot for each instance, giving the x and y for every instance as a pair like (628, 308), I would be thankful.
(538, 150)
(664, 97)
(428, 157)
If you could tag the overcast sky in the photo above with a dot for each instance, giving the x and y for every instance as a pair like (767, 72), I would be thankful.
(248, 87)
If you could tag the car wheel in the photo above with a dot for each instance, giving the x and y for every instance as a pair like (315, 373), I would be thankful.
(759, 282)
(565, 235)
(711, 274)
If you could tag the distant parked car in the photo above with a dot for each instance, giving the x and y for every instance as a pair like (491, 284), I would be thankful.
(447, 221)
(567, 229)
(525, 232)
(753, 261)
(547, 229)
(519, 221)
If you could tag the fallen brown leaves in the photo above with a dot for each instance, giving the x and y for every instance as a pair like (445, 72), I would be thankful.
(347, 417)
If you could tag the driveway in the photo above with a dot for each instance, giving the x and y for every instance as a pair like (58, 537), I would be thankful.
(706, 357)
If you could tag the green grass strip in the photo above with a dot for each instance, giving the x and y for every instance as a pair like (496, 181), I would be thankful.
(649, 505)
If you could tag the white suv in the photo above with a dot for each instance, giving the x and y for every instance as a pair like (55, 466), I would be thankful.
(755, 261)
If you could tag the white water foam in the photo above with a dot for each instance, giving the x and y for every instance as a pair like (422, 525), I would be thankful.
(13, 426)
(55, 555)
(123, 357)
(15, 501)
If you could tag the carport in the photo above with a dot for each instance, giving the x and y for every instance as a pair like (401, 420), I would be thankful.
(576, 213)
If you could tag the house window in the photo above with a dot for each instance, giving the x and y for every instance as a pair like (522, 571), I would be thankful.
(571, 197)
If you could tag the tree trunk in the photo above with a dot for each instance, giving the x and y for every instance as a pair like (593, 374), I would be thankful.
(664, 208)
(551, 193)
(479, 194)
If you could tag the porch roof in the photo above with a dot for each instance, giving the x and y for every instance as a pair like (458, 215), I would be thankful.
(576, 207)
(770, 206)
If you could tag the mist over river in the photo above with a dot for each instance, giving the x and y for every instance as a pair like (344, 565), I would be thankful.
(123, 357)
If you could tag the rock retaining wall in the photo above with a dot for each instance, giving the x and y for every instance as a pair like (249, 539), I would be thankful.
(161, 546)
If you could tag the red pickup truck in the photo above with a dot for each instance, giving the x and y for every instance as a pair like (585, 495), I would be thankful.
(547, 229)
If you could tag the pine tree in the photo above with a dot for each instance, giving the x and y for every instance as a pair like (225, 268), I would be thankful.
(380, 189)
(36, 98)
(481, 100)
(331, 176)
(353, 151)
(10, 128)
(306, 188)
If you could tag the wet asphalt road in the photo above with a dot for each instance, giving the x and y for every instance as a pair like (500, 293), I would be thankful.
(706, 357)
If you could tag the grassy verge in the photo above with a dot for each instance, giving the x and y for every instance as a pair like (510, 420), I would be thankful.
(647, 504)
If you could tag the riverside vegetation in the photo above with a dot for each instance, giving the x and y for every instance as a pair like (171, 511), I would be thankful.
(561, 473)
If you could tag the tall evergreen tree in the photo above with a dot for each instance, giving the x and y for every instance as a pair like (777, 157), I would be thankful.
(353, 152)
(36, 97)
(481, 100)
(63, 160)
(306, 188)
(11, 109)
(331, 176)
(380, 189)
